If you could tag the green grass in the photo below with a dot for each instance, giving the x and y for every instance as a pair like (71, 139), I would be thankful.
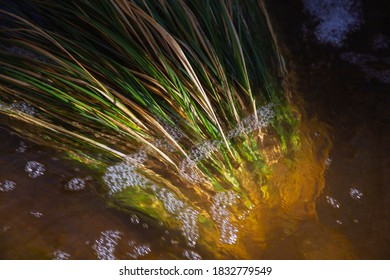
(188, 83)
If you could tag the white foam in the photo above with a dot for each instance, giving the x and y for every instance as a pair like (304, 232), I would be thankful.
(189, 225)
(191, 255)
(24, 107)
(221, 215)
(75, 184)
(171, 203)
(186, 215)
(335, 19)
(364, 61)
(34, 169)
(7, 186)
(104, 247)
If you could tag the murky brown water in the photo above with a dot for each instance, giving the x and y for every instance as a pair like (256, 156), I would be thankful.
(333, 204)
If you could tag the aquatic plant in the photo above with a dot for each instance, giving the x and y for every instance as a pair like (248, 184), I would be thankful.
(177, 104)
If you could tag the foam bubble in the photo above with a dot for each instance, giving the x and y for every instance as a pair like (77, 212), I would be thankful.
(104, 247)
(191, 255)
(22, 147)
(355, 194)
(189, 227)
(36, 214)
(333, 202)
(7, 186)
(34, 169)
(335, 19)
(75, 184)
(24, 107)
(171, 203)
(60, 255)
(365, 62)
(121, 176)
(380, 42)
(138, 250)
(220, 214)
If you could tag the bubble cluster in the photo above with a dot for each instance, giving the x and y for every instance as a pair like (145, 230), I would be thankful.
(189, 225)
(22, 147)
(191, 255)
(60, 255)
(24, 107)
(333, 202)
(104, 247)
(138, 250)
(34, 169)
(75, 184)
(366, 62)
(7, 186)
(134, 219)
(36, 214)
(27, 53)
(121, 176)
(355, 194)
(171, 203)
(186, 215)
(221, 215)
(335, 19)
(205, 149)
(380, 42)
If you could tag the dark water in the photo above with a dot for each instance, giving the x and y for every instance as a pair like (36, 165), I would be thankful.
(334, 205)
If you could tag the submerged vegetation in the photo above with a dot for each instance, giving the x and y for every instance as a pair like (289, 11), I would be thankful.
(177, 104)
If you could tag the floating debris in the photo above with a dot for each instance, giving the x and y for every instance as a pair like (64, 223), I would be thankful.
(34, 169)
(105, 246)
(75, 184)
(7, 186)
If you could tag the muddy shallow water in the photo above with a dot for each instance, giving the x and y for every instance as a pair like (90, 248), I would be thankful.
(335, 204)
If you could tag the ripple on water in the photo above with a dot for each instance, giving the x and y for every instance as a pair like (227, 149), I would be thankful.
(104, 247)
(7, 186)
(34, 169)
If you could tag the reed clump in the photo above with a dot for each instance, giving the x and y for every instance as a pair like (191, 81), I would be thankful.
(176, 103)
